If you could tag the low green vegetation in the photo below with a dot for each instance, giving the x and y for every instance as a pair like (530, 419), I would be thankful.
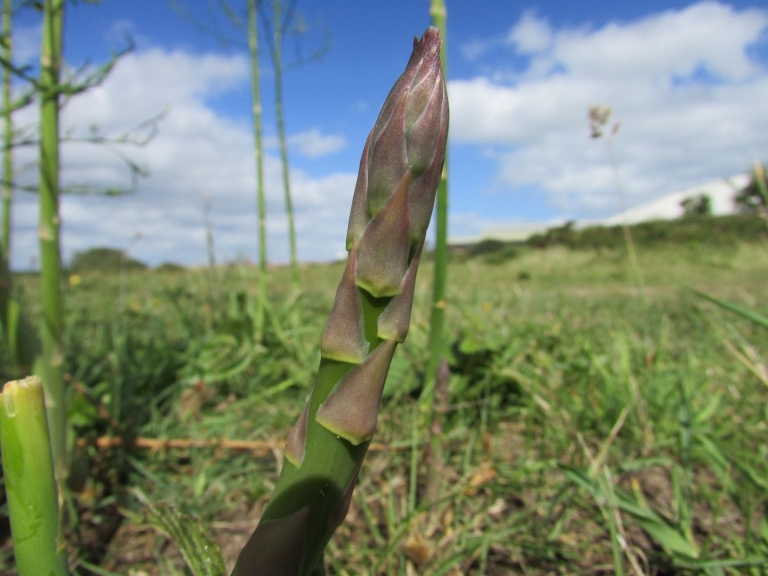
(694, 229)
(571, 442)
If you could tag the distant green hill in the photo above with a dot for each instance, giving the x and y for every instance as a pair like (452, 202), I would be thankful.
(103, 260)
(693, 229)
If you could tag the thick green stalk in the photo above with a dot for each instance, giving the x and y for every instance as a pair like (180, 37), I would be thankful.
(277, 64)
(29, 480)
(7, 134)
(253, 44)
(52, 325)
(313, 482)
(439, 16)
(391, 207)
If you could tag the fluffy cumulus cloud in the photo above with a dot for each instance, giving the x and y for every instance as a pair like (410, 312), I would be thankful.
(196, 151)
(313, 144)
(686, 85)
(530, 35)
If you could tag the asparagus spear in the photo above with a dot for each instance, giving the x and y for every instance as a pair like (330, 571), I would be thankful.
(29, 480)
(394, 195)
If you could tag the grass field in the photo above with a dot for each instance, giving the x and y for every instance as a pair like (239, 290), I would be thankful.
(584, 431)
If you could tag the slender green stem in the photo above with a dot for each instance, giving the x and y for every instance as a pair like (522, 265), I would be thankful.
(7, 134)
(634, 263)
(213, 280)
(19, 333)
(439, 16)
(437, 321)
(23, 344)
(52, 326)
(29, 480)
(5, 235)
(253, 44)
(209, 233)
(759, 176)
(277, 64)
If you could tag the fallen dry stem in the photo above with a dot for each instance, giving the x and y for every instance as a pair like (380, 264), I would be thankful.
(256, 446)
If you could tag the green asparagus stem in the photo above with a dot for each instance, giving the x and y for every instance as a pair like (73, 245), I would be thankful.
(19, 333)
(5, 235)
(29, 480)
(437, 320)
(7, 133)
(23, 344)
(395, 192)
(253, 44)
(52, 326)
(277, 65)
(439, 16)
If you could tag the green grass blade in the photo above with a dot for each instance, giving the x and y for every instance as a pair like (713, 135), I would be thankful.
(200, 552)
(653, 524)
(668, 537)
(745, 313)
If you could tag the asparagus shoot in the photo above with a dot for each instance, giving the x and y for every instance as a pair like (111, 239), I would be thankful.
(392, 204)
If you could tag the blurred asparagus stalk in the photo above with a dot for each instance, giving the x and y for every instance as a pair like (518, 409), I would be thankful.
(394, 196)
(5, 235)
(29, 480)
(52, 325)
(277, 65)
(19, 333)
(436, 364)
(7, 132)
(253, 45)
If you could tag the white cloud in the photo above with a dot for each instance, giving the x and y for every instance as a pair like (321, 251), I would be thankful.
(531, 34)
(313, 144)
(475, 48)
(195, 151)
(689, 94)
(707, 34)
(26, 44)
(124, 32)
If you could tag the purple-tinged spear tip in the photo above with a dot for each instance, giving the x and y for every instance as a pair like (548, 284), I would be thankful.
(410, 134)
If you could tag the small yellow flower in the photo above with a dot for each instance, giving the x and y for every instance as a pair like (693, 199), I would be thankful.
(486, 307)
(135, 306)
(75, 279)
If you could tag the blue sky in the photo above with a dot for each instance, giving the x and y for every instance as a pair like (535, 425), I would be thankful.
(688, 81)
